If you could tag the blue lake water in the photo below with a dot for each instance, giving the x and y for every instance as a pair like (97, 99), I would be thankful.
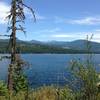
(47, 69)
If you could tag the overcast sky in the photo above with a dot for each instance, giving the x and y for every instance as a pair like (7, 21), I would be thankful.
(61, 20)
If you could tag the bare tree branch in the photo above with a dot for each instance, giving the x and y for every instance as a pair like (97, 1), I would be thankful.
(33, 13)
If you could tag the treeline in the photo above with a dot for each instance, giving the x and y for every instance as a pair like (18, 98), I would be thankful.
(25, 47)
(46, 49)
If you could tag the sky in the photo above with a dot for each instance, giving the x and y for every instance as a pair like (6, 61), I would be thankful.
(60, 20)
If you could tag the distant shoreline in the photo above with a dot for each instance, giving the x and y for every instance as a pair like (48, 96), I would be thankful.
(53, 53)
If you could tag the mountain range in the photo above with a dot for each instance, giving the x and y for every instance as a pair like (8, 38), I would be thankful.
(33, 46)
(75, 45)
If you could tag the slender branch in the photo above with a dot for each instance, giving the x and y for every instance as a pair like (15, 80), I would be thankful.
(21, 29)
(33, 13)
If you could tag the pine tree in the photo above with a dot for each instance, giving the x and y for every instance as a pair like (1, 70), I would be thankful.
(16, 17)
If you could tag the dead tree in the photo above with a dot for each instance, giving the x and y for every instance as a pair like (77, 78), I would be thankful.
(15, 17)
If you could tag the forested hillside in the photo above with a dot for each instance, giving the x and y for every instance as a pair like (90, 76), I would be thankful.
(78, 46)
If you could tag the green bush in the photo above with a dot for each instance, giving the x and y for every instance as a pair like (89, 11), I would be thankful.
(20, 83)
(3, 89)
(86, 78)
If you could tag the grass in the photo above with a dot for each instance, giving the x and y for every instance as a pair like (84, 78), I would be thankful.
(43, 93)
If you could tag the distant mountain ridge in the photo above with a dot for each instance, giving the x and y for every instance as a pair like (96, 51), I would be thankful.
(76, 45)
(34, 46)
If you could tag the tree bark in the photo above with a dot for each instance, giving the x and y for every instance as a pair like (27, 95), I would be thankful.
(13, 47)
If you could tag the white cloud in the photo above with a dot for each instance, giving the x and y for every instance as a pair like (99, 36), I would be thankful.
(4, 9)
(97, 30)
(61, 36)
(58, 34)
(86, 21)
(75, 36)
(81, 21)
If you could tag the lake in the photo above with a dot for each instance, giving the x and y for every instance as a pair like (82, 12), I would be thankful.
(47, 69)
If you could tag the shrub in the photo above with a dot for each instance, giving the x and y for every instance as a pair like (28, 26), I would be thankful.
(3, 89)
(86, 79)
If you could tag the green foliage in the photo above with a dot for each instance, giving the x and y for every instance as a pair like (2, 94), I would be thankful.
(87, 79)
(20, 80)
(3, 88)
(20, 83)
(49, 93)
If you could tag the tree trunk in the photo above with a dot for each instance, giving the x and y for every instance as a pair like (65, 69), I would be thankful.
(13, 47)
